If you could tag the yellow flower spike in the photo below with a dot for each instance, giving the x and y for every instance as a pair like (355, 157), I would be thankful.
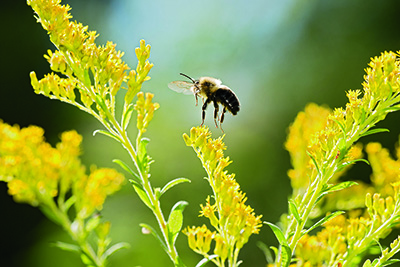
(230, 216)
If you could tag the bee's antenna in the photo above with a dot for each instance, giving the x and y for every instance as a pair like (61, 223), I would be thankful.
(188, 77)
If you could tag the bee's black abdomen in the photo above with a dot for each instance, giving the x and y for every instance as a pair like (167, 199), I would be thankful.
(228, 99)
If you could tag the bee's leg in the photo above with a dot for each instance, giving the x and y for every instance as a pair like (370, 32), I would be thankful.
(216, 110)
(221, 120)
(203, 116)
(195, 96)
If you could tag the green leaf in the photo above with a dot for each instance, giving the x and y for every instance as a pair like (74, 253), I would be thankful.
(374, 131)
(323, 220)
(126, 117)
(107, 134)
(68, 204)
(319, 198)
(340, 186)
(67, 246)
(351, 162)
(142, 154)
(92, 223)
(128, 169)
(175, 221)
(275, 250)
(391, 109)
(48, 212)
(390, 262)
(101, 103)
(286, 251)
(173, 183)
(293, 210)
(115, 248)
(340, 125)
(150, 230)
(141, 193)
(205, 260)
(314, 161)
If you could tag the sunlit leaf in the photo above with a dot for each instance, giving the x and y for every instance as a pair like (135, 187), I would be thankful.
(141, 193)
(173, 183)
(175, 220)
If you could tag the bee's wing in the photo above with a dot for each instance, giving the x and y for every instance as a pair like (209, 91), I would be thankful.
(182, 87)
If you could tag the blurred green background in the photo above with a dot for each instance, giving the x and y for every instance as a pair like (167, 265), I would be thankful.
(276, 55)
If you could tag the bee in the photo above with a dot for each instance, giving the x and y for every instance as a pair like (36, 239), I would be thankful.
(210, 90)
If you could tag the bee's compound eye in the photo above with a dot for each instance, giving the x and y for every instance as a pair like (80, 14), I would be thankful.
(197, 82)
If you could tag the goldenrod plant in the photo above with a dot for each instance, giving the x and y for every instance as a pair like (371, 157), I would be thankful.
(330, 221)
(90, 76)
(233, 220)
(354, 216)
(54, 180)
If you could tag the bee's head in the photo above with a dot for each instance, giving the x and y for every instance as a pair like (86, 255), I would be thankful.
(210, 83)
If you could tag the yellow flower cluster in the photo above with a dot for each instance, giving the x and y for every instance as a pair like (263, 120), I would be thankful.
(98, 72)
(344, 240)
(233, 220)
(341, 238)
(145, 110)
(344, 126)
(37, 173)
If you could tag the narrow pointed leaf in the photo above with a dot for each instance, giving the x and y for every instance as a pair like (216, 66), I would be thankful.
(390, 262)
(293, 210)
(141, 193)
(128, 169)
(286, 251)
(340, 186)
(351, 162)
(324, 220)
(67, 246)
(126, 117)
(173, 183)
(107, 134)
(68, 204)
(50, 214)
(374, 131)
(314, 161)
(340, 125)
(101, 103)
(115, 248)
(278, 233)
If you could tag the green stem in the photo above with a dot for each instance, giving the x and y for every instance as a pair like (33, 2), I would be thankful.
(156, 209)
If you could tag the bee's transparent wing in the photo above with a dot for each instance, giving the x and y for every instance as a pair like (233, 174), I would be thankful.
(182, 87)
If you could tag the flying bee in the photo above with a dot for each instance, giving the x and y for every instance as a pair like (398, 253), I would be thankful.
(210, 90)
